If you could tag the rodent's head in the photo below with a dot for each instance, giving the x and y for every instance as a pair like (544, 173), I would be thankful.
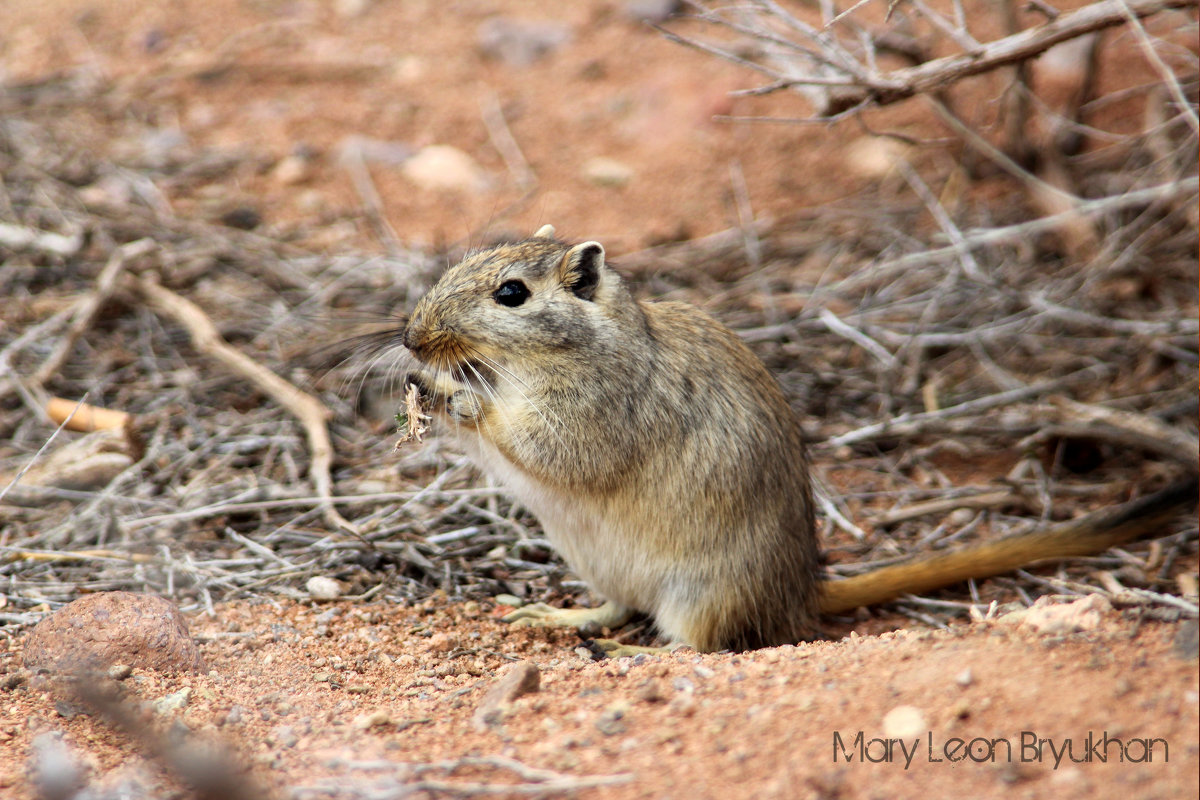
(514, 302)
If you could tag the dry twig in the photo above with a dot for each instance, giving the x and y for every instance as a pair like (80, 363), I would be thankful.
(86, 309)
(820, 60)
(311, 413)
(16, 237)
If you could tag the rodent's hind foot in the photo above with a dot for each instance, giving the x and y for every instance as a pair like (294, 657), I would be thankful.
(539, 615)
(611, 648)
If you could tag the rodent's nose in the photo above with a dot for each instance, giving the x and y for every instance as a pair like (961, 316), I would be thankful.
(410, 339)
(416, 333)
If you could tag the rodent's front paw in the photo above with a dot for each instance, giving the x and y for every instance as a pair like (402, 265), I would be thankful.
(464, 406)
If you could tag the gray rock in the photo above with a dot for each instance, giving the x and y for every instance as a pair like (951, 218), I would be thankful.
(651, 10)
(1186, 644)
(519, 43)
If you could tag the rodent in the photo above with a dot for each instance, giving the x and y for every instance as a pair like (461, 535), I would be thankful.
(660, 454)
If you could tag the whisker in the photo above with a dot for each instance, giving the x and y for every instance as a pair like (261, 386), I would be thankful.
(492, 395)
(515, 382)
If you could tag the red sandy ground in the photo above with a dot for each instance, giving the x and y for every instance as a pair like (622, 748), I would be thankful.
(305, 681)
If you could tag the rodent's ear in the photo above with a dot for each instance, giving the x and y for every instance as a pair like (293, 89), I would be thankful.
(545, 232)
(580, 269)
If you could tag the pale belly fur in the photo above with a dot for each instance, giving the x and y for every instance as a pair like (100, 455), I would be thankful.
(601, 551)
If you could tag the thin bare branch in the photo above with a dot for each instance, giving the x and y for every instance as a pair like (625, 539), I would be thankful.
(311, 413)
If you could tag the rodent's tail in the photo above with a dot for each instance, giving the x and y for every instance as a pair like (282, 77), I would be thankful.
(1087, 535)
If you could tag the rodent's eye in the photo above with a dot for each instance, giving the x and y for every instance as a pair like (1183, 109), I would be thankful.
(511, 294)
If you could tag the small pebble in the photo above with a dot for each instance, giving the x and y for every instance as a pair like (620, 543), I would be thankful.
(351, 8)
(650, 691)
(440, 167)
(119, 672)
(284, 735)
(176, 701)
(612, 720)
(607, 172)
(292, 170)
(321, 588)
(904, 722)
(374, 719)
(960, 517)
(522, 678)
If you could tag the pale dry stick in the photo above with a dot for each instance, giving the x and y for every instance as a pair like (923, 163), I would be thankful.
(8, 378)
(255, 547)
(1002, 160)
(502, 139)
(910, 424)
(20, 474)
(1018, 96)
(1170, 440)
(1192, 609)
(948, 504)
(960, 17)
(940, 73)
(355, 164)
(1132, 596)
(960, 36)
(1170, 79)
(226, 53)
(835, 515)
(85, 310)
(764, 34)
(311, 413)
(1178, 327)
(781, 80)
(839, 17)
(220, 509)
(56, 556)
(17, 237)
(836, 54)
(1024, 230)
(932, 602)
(827, 14)
(937, 210)
(838, 327)
(750, 240)
(924, 619)
(1071, 419)
(745, 212)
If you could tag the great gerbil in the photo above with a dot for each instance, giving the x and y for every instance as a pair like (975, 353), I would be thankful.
(658, 452)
